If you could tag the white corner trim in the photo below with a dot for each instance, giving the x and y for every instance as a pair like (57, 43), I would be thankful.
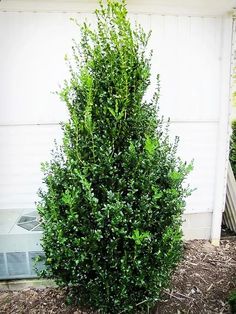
(223, 129)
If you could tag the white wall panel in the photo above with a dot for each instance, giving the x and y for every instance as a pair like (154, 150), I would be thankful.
(32, 67)
(187, 56)
(33, 45)
(23, 148)
(198, 142)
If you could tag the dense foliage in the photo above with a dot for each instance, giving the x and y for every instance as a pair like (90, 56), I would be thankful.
(232, 301)
(112, 208)
(232, 154)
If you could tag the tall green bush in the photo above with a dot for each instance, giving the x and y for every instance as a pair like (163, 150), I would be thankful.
(232, 154)
(114, 196)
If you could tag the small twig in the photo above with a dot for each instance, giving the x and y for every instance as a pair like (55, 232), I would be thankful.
(219, 281)
(198, 275)
(184, 295)
(172, 295)
(189, 307)
(206, 268)
(209, 288)
(141, 302)
(191, 263)
(224, 262)
(205, 257)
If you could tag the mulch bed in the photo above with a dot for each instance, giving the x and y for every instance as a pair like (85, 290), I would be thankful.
(201, 284)
(203, 281)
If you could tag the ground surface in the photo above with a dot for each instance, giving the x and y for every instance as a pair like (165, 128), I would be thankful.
(201, 284)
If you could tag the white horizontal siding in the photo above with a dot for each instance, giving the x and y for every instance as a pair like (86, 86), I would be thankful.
(198, 141)
(186, 54)
(23, 148)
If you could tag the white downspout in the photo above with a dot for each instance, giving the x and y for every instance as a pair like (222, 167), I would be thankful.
(228, 24)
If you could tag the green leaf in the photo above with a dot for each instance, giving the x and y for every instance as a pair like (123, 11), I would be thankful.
(150, 145)
(176, 176)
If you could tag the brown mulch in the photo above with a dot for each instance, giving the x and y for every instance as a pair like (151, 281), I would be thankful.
(203, 281)
(201, 284)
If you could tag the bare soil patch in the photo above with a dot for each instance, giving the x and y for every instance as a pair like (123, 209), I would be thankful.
(201, 284)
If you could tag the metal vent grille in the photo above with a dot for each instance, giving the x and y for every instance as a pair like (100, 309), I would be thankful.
(17, 263)
(14, 265)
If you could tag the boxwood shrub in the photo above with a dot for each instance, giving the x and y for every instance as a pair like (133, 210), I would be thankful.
(111, 210)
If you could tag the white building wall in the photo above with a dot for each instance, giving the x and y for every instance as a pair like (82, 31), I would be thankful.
(192, 55)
